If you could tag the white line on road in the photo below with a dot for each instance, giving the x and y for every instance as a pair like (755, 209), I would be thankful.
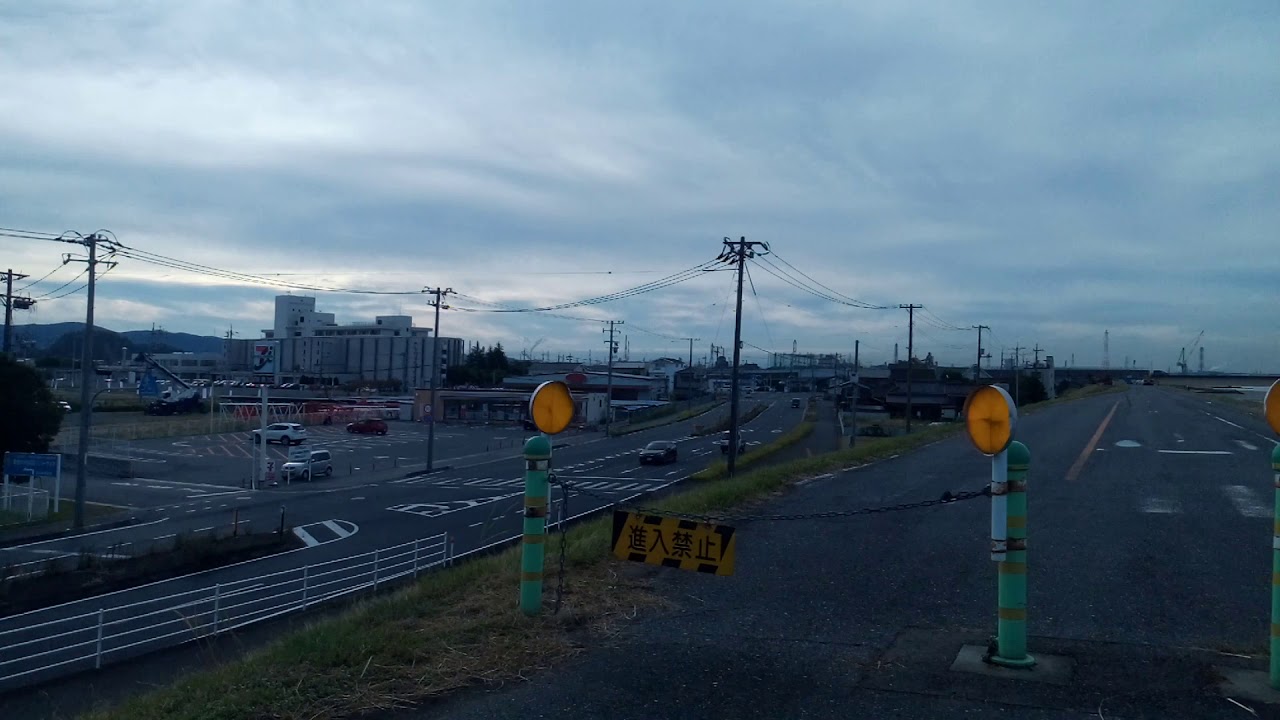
(1246, 502)
(1196, 452)
(673, 472)
(1215, 417)
(96, 532)
(1246, 445)
(1159, 506)
(204, 529)
(337, 530)
(305, 537)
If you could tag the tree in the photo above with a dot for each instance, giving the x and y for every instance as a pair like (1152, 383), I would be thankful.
(1031, 390)
(29, 417)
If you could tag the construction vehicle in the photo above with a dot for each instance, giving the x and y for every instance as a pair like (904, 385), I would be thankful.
(180, 398)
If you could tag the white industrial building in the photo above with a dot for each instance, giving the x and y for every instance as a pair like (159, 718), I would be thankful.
(305, 343)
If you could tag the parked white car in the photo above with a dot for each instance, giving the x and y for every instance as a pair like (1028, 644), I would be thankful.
(283, 433)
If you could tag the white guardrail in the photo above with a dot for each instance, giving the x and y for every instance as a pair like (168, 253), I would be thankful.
(39, 645)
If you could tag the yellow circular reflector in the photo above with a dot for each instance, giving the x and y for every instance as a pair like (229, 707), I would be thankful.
(1272, 406)
(551, 407)
(990, 416)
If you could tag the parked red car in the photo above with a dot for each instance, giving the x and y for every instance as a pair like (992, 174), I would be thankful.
(368, 426)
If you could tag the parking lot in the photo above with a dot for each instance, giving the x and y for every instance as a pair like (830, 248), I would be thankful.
(227, 459)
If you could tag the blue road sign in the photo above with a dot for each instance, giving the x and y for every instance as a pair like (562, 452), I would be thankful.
(34, 464)
(148, 387)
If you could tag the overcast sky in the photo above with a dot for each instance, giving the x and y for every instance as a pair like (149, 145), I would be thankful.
(1052, 170)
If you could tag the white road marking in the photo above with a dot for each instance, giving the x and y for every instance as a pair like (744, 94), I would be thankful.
(341, 532)
(476, 524)
(1215, 417)
(624, 472)
(305, 537)
(1246, 502)
(1196, 452)
(1159, 506)
(358, 497)
(204, 529)
(673, 472)
(1128, 443)
(1246, 445)
(1178, 437)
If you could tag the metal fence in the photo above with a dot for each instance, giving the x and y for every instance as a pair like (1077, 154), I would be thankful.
(25, 501)
(62, 639)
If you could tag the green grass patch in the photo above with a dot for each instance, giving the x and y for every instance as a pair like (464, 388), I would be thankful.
(11, 520)
(720, 468)
(669, 418)
(724, 423)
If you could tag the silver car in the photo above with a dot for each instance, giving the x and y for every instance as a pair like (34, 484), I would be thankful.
(321, 465)
(283, 433)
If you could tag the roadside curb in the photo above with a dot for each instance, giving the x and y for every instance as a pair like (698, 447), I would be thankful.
(22, 539)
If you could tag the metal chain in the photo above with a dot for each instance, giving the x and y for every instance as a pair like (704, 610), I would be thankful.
(947, 498)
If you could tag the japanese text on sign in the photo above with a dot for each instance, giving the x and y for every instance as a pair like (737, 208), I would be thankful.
(673, 542)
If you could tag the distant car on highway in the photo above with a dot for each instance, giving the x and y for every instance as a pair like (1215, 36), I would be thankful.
(283, 433)
(659, 452)
(1148, 381)
(321, 465)
(724, 445)
(795, 402)
(64, 406)
(368, 426)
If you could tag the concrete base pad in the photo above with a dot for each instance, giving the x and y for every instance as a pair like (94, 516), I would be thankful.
(1244, 684)
(1048, 668)
(1090, 678)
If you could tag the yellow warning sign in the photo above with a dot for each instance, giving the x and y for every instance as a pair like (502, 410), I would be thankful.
(673, 542)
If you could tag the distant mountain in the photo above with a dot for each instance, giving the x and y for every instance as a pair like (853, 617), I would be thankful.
(106, 345)
(177, 342)
(43, 338)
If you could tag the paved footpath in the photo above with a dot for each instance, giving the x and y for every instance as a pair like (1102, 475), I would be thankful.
(1150, 537)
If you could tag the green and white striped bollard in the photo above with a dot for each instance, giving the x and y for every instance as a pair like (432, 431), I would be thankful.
(1011, 634)
(537, 467)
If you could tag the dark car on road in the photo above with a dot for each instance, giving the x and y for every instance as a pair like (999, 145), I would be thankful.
(368, 426)
(659, 452)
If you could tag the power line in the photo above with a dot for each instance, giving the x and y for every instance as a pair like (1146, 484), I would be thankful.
(845, 298)
(210, 271)
(668, 281)
(42, 278)
(760, 309)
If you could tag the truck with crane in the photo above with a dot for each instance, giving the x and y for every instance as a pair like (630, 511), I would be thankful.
(179, 399)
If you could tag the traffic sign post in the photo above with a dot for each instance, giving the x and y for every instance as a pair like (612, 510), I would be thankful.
(537, 459)
(991, 416)
(551, 407)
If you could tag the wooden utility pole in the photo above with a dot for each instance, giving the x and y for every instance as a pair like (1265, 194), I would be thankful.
(911, 359)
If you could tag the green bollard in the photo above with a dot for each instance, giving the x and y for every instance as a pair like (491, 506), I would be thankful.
(1275, 575)
(537, 465)
(1011, 635)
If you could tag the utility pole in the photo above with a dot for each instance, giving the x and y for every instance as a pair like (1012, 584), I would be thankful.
(9, 302)
(911, 359)
(612, 346)
(690, 368)
(440, 294)
(977, 367)
(736, 253)
(1017, 373)
(1037, 350)
(86, 375)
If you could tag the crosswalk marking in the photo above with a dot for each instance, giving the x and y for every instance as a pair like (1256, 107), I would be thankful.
(1246, 502)
(1162, 506)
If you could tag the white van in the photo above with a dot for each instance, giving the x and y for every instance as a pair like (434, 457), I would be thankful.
(321, 465)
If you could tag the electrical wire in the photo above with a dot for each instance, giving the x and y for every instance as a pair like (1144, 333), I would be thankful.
(760, 309)
(508, 307)
(943, 323)
(786, 277)
(210, 271)
(668, 281)
(852, 301)
(42, 278)
(82, 287)
(58, 289)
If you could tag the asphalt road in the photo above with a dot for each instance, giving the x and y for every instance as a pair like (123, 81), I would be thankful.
(473, 505)
(1149, 551)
